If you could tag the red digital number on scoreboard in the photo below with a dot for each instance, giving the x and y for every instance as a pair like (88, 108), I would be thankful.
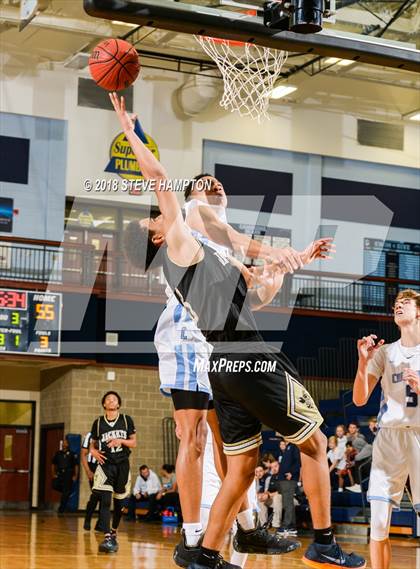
(13, 299)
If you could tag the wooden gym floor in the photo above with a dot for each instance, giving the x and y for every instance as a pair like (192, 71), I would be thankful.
(47, 541)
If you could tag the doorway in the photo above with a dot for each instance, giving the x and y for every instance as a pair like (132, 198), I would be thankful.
(51, 439)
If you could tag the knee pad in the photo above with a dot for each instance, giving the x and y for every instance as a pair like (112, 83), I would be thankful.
(380, 519)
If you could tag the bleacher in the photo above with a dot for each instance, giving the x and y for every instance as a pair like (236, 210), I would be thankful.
(351, 511)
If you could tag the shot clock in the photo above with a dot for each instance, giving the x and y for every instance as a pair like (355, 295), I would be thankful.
(30, 322)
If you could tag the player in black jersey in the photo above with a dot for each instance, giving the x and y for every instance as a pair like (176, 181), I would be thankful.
(113, 434)
(218, 294)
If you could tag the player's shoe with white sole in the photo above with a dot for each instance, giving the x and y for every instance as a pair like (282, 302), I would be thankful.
(184, 555)
(331, 556)
(260, 540)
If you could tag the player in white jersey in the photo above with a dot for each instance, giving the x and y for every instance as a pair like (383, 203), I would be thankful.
(396, 450)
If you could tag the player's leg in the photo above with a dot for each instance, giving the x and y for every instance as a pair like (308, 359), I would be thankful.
(190, 417)
(245, 516)
(240, 473)
(103, 483)
(191, 424)
(314, 473)
(380, 545)
(386, 487)
(211, 485)
(280, 401)
(90, 508)
(122, 487)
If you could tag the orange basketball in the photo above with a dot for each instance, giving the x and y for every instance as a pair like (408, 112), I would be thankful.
(114, 64)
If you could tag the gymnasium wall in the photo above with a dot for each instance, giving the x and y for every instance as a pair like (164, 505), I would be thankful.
(39, 194)
(75, 400)
(53, 94)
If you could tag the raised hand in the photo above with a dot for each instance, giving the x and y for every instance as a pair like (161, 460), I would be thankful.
(127, 121)
(367, 347)
(320, 249)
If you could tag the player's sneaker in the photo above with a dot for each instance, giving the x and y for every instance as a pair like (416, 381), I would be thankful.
(259, 540)
(184, 555)
(330, 557)
(109, 545)
(281, 532)
(355, 488)
(221, 564)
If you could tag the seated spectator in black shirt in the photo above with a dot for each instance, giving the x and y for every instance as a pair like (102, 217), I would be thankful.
(268, 495)
(289, 476)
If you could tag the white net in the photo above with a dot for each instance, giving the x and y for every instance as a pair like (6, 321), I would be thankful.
(249, 74)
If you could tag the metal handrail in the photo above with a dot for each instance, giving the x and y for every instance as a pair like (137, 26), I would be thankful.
(29, 260)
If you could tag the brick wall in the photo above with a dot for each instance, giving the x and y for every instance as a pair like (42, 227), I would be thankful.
(75, 399)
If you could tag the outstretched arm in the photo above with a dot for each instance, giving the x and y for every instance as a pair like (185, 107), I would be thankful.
(206, 221)
(183, 249)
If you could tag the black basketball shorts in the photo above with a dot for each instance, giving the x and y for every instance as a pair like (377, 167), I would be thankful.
(116, 478)
(245, 400)
(198, 400)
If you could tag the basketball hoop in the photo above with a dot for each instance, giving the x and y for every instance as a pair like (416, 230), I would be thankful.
(249, 74)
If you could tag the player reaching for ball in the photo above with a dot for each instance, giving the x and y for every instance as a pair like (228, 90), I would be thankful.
(217, 293)
(396, 449)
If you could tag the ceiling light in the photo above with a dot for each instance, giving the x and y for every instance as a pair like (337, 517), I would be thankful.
(282, 91)
(338, 61)
(413, 116)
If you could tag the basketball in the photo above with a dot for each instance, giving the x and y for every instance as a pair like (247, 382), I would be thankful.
(114, 64)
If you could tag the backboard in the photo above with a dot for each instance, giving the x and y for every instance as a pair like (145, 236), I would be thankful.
(377, 32)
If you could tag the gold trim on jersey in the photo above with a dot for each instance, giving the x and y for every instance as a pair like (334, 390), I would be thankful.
(301, 407)
(99, 480)
(243, 446)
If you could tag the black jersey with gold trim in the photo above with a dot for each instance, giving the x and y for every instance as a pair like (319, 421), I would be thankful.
(103, 430)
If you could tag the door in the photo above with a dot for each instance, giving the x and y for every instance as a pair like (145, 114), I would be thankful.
(51, 438)
(15, 461)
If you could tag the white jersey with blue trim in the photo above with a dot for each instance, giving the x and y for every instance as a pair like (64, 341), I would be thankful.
(181, 346)
(399, 403)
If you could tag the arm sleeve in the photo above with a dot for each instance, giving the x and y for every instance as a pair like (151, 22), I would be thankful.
(376, 365)
(131, 429)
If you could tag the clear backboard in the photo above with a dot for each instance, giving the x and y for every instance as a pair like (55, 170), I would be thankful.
(375, 32)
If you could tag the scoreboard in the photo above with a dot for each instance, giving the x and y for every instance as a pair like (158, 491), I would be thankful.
(30, 322)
